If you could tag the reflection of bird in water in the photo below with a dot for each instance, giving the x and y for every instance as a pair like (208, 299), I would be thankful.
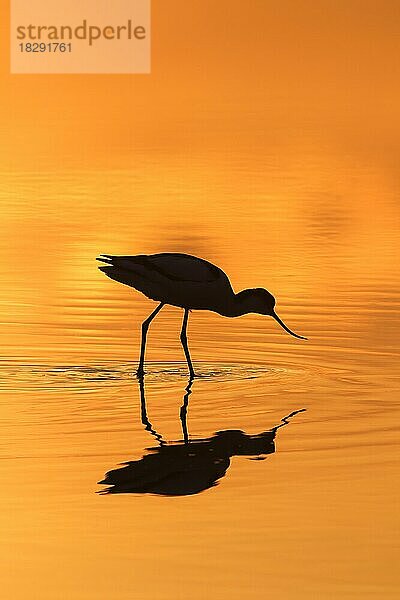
(191, 466)
(190, 283)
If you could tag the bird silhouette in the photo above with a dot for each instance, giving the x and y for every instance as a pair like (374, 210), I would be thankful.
(190, 283)
(189, 466)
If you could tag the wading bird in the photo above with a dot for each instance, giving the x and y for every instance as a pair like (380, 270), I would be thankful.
(190, 283)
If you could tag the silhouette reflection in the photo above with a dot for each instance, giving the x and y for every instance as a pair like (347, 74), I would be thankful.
(189, 466)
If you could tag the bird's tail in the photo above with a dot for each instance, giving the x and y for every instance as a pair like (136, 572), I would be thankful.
(114, 270)
(124, 270)
(107, 258)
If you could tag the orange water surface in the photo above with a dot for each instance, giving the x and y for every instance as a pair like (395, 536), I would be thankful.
(265, 140)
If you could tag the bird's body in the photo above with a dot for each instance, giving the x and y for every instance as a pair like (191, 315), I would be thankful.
(177, 279)
(187, 282)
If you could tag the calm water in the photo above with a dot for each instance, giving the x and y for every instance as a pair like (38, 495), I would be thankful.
(319, 516)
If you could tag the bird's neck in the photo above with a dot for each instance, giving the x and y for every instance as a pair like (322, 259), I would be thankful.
(235, 306)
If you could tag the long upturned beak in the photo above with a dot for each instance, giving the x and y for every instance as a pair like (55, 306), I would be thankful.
(282, 324)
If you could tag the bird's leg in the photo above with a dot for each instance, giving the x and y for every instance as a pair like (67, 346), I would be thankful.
(184, 409)
(145, 327)
(145, 420)
(185, 345)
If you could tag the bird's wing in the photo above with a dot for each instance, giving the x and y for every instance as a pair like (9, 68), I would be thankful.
(175, 267)
(184, 267)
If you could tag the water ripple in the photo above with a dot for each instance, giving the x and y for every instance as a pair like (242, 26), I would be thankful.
(25, 377)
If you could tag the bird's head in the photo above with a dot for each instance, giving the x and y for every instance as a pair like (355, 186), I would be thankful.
(261, 301)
